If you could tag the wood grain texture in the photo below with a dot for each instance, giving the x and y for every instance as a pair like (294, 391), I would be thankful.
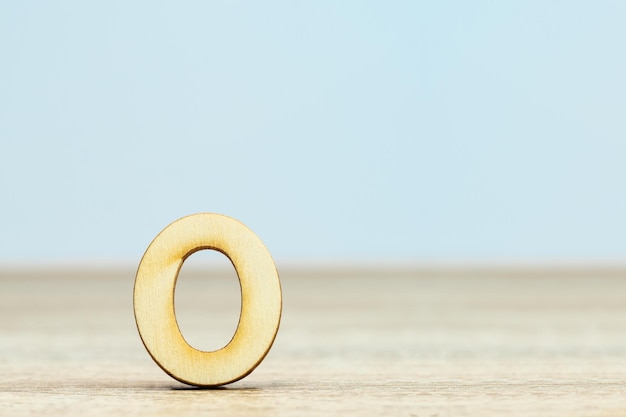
(260, 300)
(447, 342)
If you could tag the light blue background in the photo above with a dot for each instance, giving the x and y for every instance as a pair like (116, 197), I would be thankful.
(335, 130)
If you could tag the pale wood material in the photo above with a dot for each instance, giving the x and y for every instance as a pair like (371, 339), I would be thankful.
(352, 342)
(260, 300)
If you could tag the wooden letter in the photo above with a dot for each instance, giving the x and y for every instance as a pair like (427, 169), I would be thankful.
(261, 300)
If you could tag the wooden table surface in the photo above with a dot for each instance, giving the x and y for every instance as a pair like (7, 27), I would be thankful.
(401, 342)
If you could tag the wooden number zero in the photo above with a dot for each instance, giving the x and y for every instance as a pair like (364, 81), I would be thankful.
(261, 300)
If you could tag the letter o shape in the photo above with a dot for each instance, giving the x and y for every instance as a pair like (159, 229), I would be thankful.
(261, 300)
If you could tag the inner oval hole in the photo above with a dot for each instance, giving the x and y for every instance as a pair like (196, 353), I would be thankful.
(207, 300)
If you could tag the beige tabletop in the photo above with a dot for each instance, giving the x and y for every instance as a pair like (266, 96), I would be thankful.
(353, 341)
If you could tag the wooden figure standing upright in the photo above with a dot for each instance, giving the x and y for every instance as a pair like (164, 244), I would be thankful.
(261, 300)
